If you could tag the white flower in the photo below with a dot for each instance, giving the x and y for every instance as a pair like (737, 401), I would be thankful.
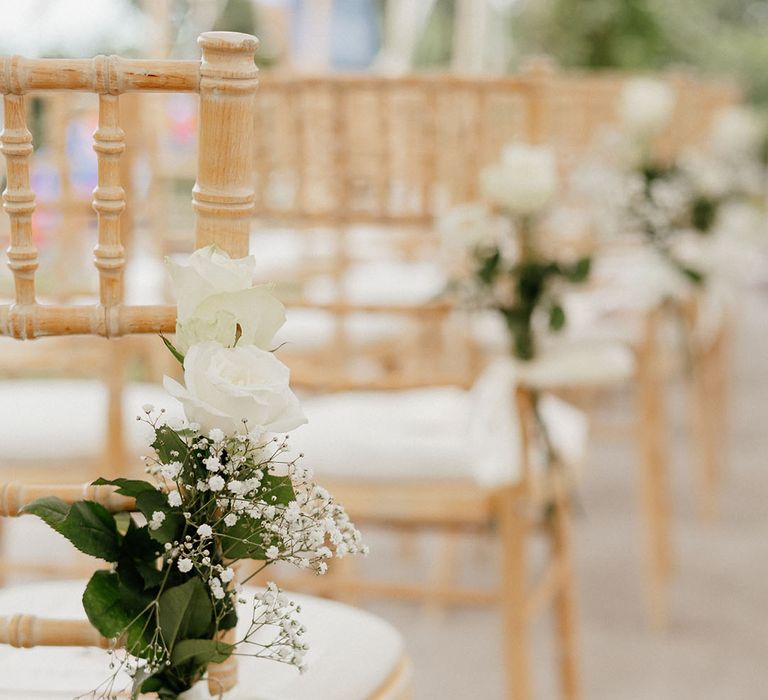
(236, 486)
(184, 565)
(212, 464)
(292, 512)
(170, 471)
(524, 181)
(215, 295)
(736, 132)
(158, 517)
(227, 575)
(225, 386)
(147, 408)
(174, 499)
(272, 552)
(230, 519)
(646, 106)
(204, 530)
(216, 483)
(216, 435)
(468, 226)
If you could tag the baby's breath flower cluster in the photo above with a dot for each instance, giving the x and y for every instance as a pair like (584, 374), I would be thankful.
(247, 494)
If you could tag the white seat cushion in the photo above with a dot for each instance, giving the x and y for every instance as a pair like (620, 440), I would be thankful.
(562, 361)
(314, 328)
(384, 282)
(579, 365)
(433, 433)
(421, 433)
(352, 653)
(67, 418)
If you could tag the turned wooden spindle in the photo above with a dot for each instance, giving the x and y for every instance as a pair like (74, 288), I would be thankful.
(109, 203)
(19, 203)
(223, 196)
(27, 631)
(15, 495)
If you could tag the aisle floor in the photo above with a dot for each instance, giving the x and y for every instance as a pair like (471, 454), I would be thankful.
(715, 644)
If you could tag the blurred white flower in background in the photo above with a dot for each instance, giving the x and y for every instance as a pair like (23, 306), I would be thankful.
(468, 226)
(524, 181)
(646, 106)
(72, 28)
(736, 132)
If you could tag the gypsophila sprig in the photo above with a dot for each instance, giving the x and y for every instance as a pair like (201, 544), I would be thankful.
(221, 487)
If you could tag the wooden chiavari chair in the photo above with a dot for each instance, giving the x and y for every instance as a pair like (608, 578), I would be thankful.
(223, 201)
(393, 153)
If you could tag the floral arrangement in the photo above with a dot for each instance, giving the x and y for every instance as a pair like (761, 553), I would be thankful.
(509, 260)
(676, 206)
(221, 488)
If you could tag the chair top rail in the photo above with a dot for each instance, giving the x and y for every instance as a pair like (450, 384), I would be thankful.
(111, 75)
(269, 79)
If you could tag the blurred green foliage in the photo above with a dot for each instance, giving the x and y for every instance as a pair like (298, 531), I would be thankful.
(722, 37)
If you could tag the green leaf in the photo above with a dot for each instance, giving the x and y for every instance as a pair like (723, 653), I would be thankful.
(126, 487)
(703, 213)
(50, 509)
(168, 441)
(277, 489)
(184, 611)
(201, 652)
(578, 272)
(150, 501)
(242, 540)
(104, 605)
(489, 266)
(173, 350)
(86, 524)
(93, 530)
(151, 685)
(556, 317)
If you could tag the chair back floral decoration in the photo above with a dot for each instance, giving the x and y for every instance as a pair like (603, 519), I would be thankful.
(682, 207)
(510, 260)
(221, 488)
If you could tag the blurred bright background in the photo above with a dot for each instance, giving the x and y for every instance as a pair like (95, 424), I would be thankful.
(709, 642)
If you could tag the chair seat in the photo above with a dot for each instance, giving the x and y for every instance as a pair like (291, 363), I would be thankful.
(562, 362)
(352, 655)
(439, 433)
(579, 365)
(315, 328)
(71, 415)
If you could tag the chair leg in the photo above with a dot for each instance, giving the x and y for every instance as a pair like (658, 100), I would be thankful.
(709, 418)
(564, 602)
(654, 497)
(445, 568)
(514, 530)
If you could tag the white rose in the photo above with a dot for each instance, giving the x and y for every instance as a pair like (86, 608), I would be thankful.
(736, 132)
(467, 226)
(214, 296)
(524, 181)
(646, 106)
(224, 386)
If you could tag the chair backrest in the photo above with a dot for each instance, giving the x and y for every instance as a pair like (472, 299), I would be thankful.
(371, 149)
(222, 198)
